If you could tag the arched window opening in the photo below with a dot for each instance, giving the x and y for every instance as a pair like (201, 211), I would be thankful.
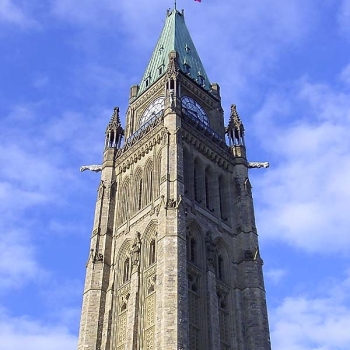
(220, 267)
(140, 195)
(187, 173)
(193, 250)
(152, 252)
(207, 195)
(150, 187)
(126, 270)
(195, 185)
(222, 199)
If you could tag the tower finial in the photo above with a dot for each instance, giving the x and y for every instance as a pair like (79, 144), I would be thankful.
(175, 4)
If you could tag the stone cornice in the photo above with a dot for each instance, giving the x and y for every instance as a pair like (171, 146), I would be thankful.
(198, 91)
(217, 154)
(140, 148)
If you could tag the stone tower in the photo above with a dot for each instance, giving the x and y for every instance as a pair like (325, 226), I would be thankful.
(174, 260)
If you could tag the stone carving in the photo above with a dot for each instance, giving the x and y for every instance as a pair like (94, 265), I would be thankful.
(237, 187)
(211, 249)
(256, 253)
(171, 203)
(98, 257)
(151, 281)
(173, 66)
(136, 250)
(248, 255)
(124, 302)
(258, 165)
(172, 100)
(94, 168)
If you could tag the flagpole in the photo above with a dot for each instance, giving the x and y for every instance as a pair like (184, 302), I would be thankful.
(175, 4)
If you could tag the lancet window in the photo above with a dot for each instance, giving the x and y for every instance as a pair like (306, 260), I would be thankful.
(152, 252)
(148, 182)
(124, 203)
(196, 301)
(158, 168)
(150, 277)
(198, 180)
(126, 270)
(223, 198)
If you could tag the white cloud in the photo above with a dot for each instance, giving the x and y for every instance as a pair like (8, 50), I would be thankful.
(14, 14)
(18, 264)
(344, 17)
(315, 320)
(307, 189)
(23, 332)
(36, 176)
(345, 75)
(275, 275)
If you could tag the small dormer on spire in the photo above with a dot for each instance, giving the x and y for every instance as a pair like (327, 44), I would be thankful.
(114, 131)
(235, 128)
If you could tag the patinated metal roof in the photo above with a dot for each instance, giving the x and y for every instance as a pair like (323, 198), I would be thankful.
(175, 36)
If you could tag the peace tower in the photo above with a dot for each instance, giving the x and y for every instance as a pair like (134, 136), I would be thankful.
(174, 260)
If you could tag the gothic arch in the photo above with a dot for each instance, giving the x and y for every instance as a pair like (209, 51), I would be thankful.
(209, 188)
(195, 244)
(222, 261)
(138, 189)
(196, 282)
(187, 166)
(198, 180)
(157, 173)
(148, 181)
(123, 209)
(224, 193)
(123, 255)
(222, 269)
(150, 244)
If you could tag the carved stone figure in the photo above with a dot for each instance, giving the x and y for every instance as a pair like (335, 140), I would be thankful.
(171, 203)
(136, 249)
(211, 248)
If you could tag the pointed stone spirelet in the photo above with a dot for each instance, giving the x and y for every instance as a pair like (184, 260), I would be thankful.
(235, 128)
(114, 131)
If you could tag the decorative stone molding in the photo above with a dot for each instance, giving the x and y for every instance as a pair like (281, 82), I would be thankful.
(199, 92)
(209, 149)
(132, 156)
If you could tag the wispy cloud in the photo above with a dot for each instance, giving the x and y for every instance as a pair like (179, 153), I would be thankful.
(16, 332)
(344, 17)
(14, 13)
(275, 275)
(307, 189)
(318, 319)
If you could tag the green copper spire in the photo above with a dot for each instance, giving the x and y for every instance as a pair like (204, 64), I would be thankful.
(175, 36)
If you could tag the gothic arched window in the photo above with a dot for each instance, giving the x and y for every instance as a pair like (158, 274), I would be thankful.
(198, 180)
(139, 197)
(223, 195)
(195, 185)
(207, 189)
(220, 267)
(152, 252)
(126, 270)
(193, 250)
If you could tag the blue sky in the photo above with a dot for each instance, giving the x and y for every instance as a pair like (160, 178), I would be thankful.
(65, 64)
